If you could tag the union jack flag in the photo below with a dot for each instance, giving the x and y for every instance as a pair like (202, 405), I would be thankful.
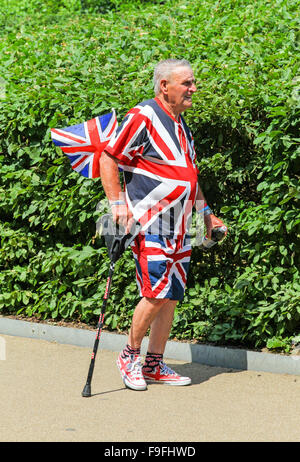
(162, 271)
(84, 143)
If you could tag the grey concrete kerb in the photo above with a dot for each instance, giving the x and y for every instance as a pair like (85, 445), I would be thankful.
(204, 354)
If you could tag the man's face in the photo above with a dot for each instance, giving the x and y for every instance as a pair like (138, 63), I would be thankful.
(180, 88)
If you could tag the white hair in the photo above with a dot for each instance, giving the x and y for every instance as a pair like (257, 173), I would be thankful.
(164, 69)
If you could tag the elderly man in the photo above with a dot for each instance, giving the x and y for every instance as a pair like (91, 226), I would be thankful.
(154, 147)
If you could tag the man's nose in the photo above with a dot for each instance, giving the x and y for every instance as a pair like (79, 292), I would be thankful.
(192, 88)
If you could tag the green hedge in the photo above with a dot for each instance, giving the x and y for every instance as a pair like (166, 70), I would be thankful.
(65, 62)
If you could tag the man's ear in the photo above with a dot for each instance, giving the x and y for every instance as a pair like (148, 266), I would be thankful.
(164, 86)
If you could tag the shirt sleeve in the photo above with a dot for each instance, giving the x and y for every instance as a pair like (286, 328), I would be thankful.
(129, 138)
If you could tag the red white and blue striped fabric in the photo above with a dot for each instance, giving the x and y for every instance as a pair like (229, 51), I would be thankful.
(157, 155)
(162, 265)
(84, 143)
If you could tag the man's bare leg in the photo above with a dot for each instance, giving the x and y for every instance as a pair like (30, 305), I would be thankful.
(144, 314)
(161, 327)
(154, 368)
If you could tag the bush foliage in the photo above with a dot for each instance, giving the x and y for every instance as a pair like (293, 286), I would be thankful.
(63, 62)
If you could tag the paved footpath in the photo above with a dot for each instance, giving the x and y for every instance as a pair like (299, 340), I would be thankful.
(41, 384)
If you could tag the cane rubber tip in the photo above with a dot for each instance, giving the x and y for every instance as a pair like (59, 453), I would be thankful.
(86, 392)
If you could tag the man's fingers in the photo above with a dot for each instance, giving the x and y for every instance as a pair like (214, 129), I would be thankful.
(216, 222)
(130, 224)
(123, 217)
(211, 221)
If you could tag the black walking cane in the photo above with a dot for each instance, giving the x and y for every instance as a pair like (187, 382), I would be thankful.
(116, 243)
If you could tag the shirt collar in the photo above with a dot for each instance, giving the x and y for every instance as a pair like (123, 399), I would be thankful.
(166, 111)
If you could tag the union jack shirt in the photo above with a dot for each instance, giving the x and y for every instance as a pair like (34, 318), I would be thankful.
(157, 156)
(84, 143)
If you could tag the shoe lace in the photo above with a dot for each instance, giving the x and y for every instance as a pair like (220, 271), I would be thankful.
(135, 367)
(166, 370)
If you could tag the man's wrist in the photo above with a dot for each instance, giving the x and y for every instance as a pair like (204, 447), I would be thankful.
(206, 210)
(116, 203)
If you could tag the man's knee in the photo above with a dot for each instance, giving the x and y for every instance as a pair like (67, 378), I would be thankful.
(158, 302)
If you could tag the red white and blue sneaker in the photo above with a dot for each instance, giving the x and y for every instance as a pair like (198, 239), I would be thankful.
(164, 374)
(130, 368)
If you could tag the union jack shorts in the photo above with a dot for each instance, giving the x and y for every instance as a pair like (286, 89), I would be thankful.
(161, 265)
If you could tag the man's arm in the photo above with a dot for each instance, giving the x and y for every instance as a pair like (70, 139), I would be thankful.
(112, 187)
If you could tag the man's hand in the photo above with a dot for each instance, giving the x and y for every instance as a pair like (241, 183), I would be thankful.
(123, 216)
(211, 221)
